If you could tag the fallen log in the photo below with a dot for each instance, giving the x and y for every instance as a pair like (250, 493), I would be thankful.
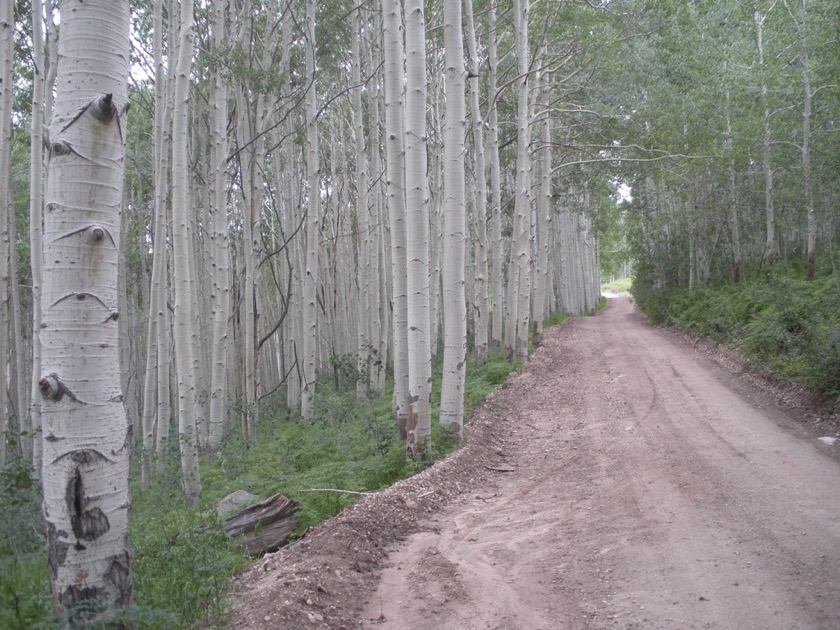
(264, 526)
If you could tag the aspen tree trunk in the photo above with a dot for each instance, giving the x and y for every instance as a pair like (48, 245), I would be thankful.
(771, 249)
(543, 211)
(521, 251)
(482, 301)
(313, 225)
(30, 410)
(185, 315)
(807, 107)
(247, 129)
(379, 328)
(497, 284)
(364, 225)
(7, 49)
(395, 176)
(734, 219)
(455, 228)
(155, 334)
(418, 426)
(87, 441)
(220, 254)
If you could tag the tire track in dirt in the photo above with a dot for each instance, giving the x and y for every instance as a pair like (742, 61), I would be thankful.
(651, 489)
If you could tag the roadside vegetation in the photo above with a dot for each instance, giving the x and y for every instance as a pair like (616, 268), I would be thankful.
(183, 564)
(778, 321)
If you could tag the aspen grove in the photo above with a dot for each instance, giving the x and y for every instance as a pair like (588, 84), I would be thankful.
(321, 191)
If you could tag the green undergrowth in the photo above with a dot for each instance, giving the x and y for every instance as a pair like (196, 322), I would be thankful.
(779, 322)
(182, 562)
(623, 286)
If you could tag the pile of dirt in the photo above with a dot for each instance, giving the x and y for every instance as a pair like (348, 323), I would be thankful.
(322, 580)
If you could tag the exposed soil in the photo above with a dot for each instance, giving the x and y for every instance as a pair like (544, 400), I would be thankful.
(625, 478)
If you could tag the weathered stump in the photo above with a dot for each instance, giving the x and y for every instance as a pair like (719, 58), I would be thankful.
(264, 526)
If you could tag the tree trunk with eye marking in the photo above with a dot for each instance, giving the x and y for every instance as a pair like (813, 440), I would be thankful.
(86, 436)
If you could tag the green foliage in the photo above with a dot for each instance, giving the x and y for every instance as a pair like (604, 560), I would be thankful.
(182, 562)
(623, 286)
(24, 583)
(780, 322)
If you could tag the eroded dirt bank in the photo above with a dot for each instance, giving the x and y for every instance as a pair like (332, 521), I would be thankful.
(622, 480)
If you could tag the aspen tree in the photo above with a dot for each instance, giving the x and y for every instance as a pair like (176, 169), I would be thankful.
(801, 21)
(185, 314)
(395, 177)
(7, 48)
(155, 419)
(497, 250)
(521, 247)
(482, 301)
(313, 224)
(455, 238)
(30, 415)
(543, 209)
(220, 255)
(418, 428)
(771, 248)
(86, 437)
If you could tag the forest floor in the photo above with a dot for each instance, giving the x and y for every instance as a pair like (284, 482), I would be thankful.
(626, 477)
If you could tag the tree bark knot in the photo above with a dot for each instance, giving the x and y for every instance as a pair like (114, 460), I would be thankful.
(53, 389)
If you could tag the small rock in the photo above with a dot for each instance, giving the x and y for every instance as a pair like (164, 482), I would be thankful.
(235, 501)
(828, 440)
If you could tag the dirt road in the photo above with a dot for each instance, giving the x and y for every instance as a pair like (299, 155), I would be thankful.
(621, 480)
(648, 488)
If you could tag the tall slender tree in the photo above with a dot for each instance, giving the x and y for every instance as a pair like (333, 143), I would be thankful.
(87, 440)
(455, 227)
(185, 314)
(419, 420)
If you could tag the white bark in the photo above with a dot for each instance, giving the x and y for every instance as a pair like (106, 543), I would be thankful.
(220, 255)
(455, 238)
(543, 212)
(86, 435)
(497, 307)
(395, 176)
(521, 250)
(185, 315)
(771, 248)
(313, 224)
(417, 223)
(7, 47)
(482, 300)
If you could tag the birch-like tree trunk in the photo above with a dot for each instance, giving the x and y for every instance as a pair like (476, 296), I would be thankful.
(482, 299)
(455, 227)
(543, 210)
(86, 437)
(185, 314)
(395, 176)
(497, 249)
(157, 393)
(807, 108)
(220, 255)
(734, 215)
(771, 248)
(419, 422)
(520, 261)
(30, 410)
(7, 50)
(313, 224)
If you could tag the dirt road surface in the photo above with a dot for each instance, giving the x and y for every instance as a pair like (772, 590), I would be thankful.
(623, 479)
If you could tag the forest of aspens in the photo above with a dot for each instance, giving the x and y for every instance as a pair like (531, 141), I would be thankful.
(278, 245)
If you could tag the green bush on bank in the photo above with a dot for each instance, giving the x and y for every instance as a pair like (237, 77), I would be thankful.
(777, 320)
